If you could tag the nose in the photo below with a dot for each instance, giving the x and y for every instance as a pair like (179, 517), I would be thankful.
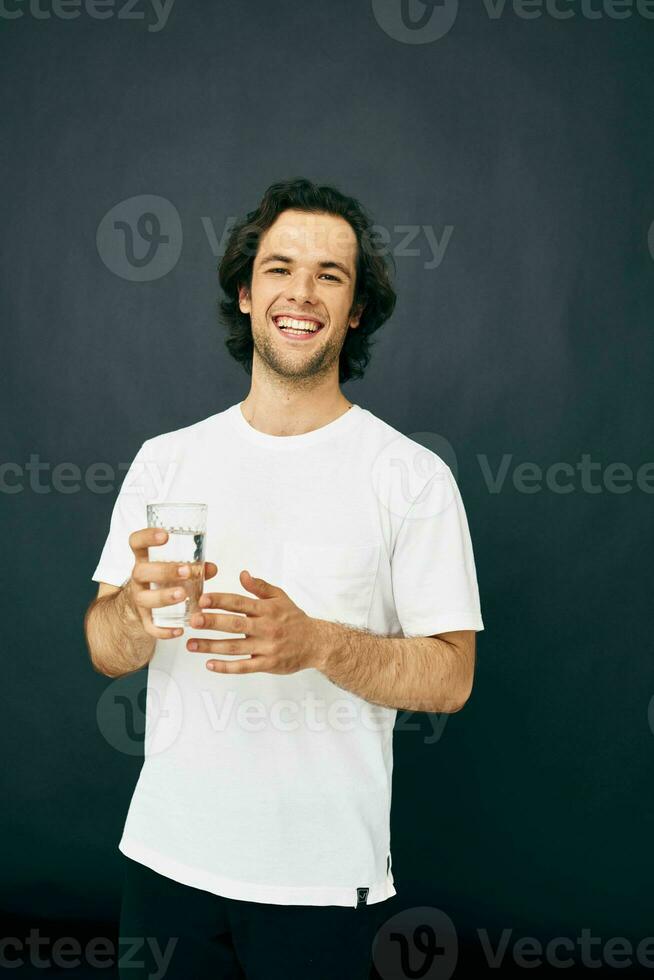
(300, 288)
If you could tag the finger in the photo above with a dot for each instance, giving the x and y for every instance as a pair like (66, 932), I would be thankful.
(236, 647)
(160, 632)
(224, 623)
(240, 666)
(161, 572)
(260, 587)
(155, 598)
(230, 601)
(151, 537)
(147, 537)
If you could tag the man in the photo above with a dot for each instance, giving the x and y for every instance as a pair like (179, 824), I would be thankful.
(344, 587)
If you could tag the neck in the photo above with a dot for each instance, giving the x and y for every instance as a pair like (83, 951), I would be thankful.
(292, 414)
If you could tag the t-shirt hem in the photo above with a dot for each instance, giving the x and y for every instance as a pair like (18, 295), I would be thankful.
(446, 623)
(251, 891)
(109, 575)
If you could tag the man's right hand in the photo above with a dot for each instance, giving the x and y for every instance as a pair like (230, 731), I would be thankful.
(141, 598)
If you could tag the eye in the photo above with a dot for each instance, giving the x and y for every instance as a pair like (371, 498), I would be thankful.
(327, 274)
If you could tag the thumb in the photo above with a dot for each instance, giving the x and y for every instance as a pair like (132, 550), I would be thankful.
(261, 588)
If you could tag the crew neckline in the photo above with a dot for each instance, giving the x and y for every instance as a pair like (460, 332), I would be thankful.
(337, 427)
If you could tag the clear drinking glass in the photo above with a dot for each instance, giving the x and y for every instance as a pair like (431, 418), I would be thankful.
(186, 525)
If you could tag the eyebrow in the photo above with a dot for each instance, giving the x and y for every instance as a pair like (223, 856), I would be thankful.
(327, 264)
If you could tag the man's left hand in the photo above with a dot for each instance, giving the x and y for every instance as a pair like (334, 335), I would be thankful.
(280, 636)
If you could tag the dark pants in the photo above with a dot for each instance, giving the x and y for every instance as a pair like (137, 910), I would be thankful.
(169, 930)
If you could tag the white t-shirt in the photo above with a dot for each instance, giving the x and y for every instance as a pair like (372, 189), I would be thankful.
(277, 787)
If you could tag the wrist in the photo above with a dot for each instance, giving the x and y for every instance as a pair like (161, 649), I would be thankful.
(128, 606)
(324, 643)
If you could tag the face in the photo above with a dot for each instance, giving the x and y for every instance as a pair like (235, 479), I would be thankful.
(305, 268)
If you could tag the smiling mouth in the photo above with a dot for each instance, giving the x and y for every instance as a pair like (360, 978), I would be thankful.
(297, 327)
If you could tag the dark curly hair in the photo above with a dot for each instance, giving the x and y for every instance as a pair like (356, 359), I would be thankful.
(372, 287)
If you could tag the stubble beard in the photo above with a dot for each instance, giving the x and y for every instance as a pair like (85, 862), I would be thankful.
(289, 365)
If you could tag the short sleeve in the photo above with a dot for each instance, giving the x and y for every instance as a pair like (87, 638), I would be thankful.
(432, 566)
(129, 514)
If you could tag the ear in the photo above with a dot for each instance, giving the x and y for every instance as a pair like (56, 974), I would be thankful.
(244, 302)
(356, 315)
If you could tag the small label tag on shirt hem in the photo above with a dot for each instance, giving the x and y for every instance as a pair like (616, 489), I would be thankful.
(362, 896)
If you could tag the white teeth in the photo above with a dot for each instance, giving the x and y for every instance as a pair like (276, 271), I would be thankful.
(296, 326)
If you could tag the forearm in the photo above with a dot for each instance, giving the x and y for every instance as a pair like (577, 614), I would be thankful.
(115, 637)
(419, 673)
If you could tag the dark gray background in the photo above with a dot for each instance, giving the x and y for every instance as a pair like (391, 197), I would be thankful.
(532, 139)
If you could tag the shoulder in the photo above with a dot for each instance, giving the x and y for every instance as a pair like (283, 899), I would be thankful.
(400, 459)
(176, 441)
